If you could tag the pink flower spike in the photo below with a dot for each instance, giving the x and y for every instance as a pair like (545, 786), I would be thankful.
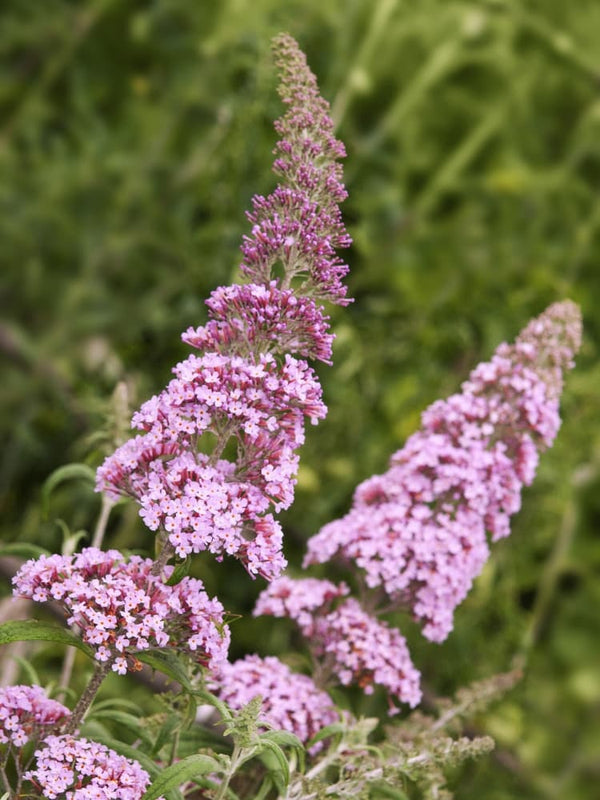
(247, 393)
(419, 530)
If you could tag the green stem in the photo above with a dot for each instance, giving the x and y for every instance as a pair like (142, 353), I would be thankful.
(237, 758)
(67, 668)
(550, 577)
(368, 49)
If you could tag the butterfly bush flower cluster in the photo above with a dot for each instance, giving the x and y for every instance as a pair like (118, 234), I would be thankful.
(121, 608)
(291, 701)
(251, 383)
(67, 768)
(418, 532)
(351, 646)
(27, 713)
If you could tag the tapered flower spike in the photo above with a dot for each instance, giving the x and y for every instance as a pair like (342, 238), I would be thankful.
(299, 226)
(248, 387)
(418, 532)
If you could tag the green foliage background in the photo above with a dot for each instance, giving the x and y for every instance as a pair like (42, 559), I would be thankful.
(133, 134)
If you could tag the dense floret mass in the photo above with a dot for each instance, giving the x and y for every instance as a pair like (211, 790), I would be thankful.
(419, 531)
(298, 599)
(121, 608)
(245, 398)
(352, 646)
(364, 651)
(255, 317)
(67, 768)
(290, 701)
(26, 713)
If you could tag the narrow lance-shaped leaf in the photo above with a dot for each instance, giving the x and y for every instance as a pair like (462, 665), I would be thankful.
(181, 772)
(32, 630)
(66, 473)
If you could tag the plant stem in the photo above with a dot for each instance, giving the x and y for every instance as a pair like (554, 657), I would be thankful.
(164, 555)
(100, 530)
(87, 697)
(67, 669)
(550, 576)
(237, 758)
(4, 777)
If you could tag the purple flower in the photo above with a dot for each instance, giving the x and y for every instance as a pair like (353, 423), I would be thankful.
(122, 609)
(299, 225)
(67, 768)
(246, 397)
(254, 317)
(299, 599)
(290, 701)
(25, 713)
(348, 643)
(419, 530)
(361, 650)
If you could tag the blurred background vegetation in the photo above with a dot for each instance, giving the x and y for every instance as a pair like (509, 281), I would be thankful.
(133, 134)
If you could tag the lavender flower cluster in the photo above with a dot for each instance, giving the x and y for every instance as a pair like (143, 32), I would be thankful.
(417, 536)
(248, 385)
(26, 712)
(121, 608)
(77, 769)
(419, 531)
(291, 702)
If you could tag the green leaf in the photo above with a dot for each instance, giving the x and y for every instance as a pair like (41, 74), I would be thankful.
(265, 788)
(166, 661)
(286, 739)
(179, 773)
(116, 702)
(384, 790)
(326, 733)
(282, 738)
(165, 733)
(125, 720)
(71, 540)
(199, 737)
(180, 572)
(280, 759)
(33, 630)
(32, 675)
(23, 550)
(67, 472)
(213, 700)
